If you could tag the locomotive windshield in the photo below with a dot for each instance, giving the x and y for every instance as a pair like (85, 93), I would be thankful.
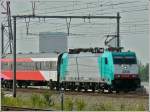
(124, 60)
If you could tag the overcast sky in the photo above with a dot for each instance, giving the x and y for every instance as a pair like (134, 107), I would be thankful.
(86, 33)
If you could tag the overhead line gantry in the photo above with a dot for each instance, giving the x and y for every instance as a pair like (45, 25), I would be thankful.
(15, 17)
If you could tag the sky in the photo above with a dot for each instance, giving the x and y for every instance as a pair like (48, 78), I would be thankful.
(134, 23)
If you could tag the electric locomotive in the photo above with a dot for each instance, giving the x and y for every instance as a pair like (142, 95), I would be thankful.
(98, 71)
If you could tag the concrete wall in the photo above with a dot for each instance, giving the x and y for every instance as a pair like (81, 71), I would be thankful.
(50, 42)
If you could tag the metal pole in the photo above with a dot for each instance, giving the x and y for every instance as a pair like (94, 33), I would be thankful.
(62, 100)
(118, 30)
(2, 39)
(14, 59)
(64, 17)
(9, 26)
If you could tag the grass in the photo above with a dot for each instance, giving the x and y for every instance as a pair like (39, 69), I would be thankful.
(47, 101)
(103, 106)
(123, 107)
(35, 101)
(80, 104)
(48, 98)
(69, 104)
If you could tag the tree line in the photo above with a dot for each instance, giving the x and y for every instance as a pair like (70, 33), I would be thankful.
(144, 72)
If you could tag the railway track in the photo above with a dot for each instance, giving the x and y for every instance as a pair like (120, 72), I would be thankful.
(88, 93)
(11, 108)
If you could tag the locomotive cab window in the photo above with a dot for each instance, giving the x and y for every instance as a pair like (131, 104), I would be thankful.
(124, 60)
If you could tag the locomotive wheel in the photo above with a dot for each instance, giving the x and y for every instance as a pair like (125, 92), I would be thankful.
(110, 90)
(103, 90)
(20, 85)
(65, 86)
(26, 84)
(3, 84)
(9, 84)
(51, 85)
(86, 87)
(126, 91)
(93, 89)
(117, 91)
(72, 86)
(78, 88)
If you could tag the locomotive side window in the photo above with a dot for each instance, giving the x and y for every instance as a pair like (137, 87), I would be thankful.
(106, 61)
(61, 61)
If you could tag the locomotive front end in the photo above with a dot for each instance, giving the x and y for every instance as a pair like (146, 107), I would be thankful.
(126, 75)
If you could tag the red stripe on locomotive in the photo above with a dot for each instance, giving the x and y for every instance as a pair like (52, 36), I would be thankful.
(126, 76)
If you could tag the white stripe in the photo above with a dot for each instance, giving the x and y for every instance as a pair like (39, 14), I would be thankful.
(44, 59)
(49, 75)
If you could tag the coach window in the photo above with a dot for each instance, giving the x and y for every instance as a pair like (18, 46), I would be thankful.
(36, 66)
(54, 65)
(19, 65)
(31, 66)
(10, 66)
(5, 66)
(106, 61)
(41, 65)
(50, 65)
(28, 66)
(44, 65)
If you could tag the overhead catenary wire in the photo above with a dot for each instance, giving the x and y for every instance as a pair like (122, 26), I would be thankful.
(93, 23)
(81, 8)
(102, 5)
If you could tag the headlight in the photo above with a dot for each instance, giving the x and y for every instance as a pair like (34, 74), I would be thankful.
(125, 67)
